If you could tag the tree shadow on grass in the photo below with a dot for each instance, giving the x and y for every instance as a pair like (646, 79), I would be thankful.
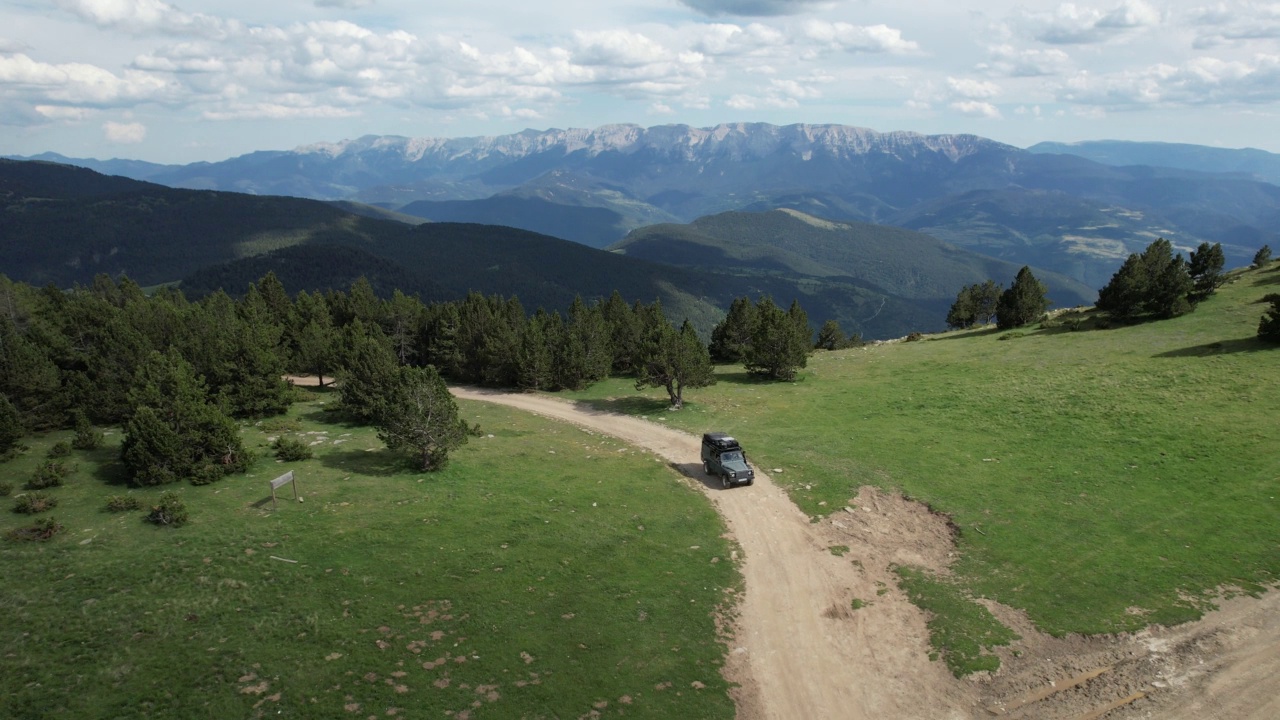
(1222, 347)
(970, 333)
(636, 405)
(743, 377)
(379, 463)
(1268, 277)
(111, 470)
(335, 418)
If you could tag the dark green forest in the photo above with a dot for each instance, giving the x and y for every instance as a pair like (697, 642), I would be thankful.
(177, 374)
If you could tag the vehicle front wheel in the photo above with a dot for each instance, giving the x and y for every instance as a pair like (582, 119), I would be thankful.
(724, 481)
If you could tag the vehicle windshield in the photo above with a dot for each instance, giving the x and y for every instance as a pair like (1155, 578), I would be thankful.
(735, 456)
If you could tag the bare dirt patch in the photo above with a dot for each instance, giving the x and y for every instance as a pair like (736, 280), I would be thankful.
(823, 634)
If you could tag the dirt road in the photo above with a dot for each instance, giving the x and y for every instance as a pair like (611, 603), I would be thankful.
(802, 650)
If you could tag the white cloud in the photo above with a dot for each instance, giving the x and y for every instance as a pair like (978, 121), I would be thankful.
(348, 4)
(64, 113)
(859, 39)
(1008, 61)
(125, 133)
(140, 16)
(1201, 81)
(726, 40)
(617, 48)
(976, 108)
(972, 89)
(754, 7)
(1234, 23)
(78, 84)
(1072, 24)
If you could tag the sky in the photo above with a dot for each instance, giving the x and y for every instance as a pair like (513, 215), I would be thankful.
(207, 80)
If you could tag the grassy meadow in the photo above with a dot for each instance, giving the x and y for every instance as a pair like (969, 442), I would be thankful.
(546, 572)
(1100, 479)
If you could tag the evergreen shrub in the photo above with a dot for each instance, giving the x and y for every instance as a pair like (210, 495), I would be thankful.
(49, 474)
(291, 449)
(34, 502)
(169, 511)
(123, 503)
(42, 530)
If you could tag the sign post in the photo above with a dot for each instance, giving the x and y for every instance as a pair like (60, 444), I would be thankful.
(285, 479)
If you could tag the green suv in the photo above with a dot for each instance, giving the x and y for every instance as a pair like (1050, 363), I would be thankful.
(722, 456)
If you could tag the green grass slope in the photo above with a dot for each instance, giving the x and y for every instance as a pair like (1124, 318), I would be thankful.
(1102, 480)
(507, 585)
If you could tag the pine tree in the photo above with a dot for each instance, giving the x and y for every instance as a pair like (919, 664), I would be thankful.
(534, 353)
(585, 356)
(366, 368)
(175, 432)
(670, 359)
(1155, 282)
(986, 297)
(962, 314)
(1205, 269)
(29, 379)
(253, 382)
(831, 337)
(731, 339)
(418, 413)
(1023, 302)
(623, 331)
(780, 344)
(1269, 325)
(1262, 257)
(11, 429)
(314, 339)
(401, 319)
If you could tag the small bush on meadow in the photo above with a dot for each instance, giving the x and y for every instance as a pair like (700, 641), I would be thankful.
(1012, 335)
(6, 489)
(291, 449)
(169, 511)
(42, 530)
(913, 337)
(34, 502)
(59, 450)
(49, 474)
(123, 503)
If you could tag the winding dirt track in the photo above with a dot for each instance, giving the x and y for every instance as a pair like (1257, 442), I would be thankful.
(801, 649)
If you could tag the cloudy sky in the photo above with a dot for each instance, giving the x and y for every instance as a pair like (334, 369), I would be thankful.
(209, 79)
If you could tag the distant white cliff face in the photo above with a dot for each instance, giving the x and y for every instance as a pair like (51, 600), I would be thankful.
(736, 141)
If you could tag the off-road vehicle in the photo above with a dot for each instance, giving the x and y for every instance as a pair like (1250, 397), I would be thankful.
(723, 457)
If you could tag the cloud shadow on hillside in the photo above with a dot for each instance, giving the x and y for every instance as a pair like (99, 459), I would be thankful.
(1222, 347)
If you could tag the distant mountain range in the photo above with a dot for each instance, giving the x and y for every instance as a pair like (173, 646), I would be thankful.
(63, 225)
(1245, 162)
(1078, 210)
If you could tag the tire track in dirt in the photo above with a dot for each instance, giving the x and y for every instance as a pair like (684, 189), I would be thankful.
(800, 649)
